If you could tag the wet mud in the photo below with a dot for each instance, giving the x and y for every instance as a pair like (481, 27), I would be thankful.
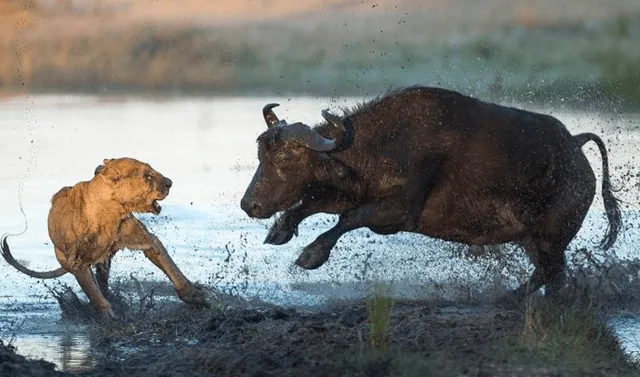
(160, 336)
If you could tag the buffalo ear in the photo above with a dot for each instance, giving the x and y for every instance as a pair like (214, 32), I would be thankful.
(329, 168)
(343, 171)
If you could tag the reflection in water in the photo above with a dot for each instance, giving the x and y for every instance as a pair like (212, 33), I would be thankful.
(70, 351)
(75, 352)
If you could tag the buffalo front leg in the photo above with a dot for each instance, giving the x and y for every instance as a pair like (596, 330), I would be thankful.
(135, 235)
(383, 218)
(286, 225)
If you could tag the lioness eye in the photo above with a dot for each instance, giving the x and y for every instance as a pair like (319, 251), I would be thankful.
(147, 176)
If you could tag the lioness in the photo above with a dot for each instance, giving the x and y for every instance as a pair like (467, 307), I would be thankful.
(91, 221)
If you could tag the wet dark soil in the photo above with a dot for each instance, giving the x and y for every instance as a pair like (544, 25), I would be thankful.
(12, 364)
(424, 339)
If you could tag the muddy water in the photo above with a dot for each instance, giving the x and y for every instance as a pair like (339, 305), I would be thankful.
(207, 147)
(41, 336)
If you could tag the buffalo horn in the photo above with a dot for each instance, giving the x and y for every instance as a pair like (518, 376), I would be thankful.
(333, 119)
(307, 137)
(269, 116)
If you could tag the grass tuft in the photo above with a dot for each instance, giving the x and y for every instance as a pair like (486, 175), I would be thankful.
(380, 304)
(573, 337)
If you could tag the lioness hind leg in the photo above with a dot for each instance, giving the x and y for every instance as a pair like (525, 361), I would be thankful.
(90, 287)
(102, 276)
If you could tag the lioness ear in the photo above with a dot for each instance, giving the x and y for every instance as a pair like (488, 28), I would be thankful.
(111, 172)
(107, 160)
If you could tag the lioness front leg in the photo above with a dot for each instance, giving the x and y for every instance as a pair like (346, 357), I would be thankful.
(286, 225)
(134, 235)
(383, 218)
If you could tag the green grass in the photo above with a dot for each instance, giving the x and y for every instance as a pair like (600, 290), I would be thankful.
(572, 339)
(380, 303)
(549, 340)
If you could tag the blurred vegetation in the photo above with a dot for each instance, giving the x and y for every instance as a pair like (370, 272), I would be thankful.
(591, 63)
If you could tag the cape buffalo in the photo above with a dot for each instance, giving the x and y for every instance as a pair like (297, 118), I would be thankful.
(435, 162)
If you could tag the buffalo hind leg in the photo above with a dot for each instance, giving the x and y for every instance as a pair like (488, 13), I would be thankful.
(549, 266)
(556, 230)
(551, 236)
(383, 218)
(549, 262)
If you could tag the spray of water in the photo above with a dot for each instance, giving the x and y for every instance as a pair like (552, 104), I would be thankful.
(30, 121)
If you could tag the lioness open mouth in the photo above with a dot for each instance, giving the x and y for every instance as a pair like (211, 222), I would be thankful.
(155, 207)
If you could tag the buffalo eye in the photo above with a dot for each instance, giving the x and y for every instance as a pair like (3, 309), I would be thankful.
(284, 156)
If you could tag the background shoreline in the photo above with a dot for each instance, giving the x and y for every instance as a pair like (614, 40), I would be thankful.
(568, 54)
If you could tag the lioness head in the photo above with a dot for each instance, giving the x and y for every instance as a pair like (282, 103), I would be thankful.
(133, 184)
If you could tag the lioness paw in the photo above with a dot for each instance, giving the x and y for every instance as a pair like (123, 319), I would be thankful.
(194, 296)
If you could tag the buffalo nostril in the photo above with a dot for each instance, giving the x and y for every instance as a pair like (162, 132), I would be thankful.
(244, 204)
(250, 207)
(168, 183)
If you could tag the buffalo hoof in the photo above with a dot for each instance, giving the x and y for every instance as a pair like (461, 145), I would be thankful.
(194, 296)
(313, 256)
(279, 234)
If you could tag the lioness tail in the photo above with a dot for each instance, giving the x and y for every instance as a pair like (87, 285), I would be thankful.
(6, 254)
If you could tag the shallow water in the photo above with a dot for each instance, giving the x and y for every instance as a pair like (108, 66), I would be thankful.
(207, 147)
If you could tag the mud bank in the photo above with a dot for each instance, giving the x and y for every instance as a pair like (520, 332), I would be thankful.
(422, 339)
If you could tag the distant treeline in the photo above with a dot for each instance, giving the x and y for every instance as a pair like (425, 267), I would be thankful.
(574, 65)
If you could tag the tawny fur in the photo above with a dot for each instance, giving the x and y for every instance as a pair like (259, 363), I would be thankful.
(89, 222)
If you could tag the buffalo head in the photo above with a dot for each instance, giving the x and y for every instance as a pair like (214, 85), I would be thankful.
(292, 157)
